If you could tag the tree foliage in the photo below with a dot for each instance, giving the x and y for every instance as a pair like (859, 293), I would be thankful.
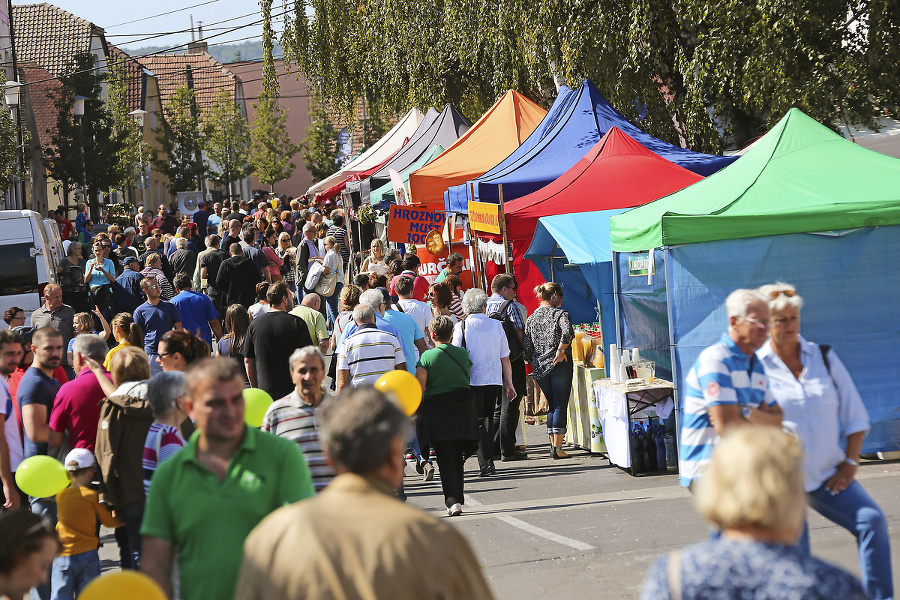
(271, 148)
(85, 151)
(668, 65)
(182, 144)
(10, 167)
(134, 153)
(320, 146)
(227, 140)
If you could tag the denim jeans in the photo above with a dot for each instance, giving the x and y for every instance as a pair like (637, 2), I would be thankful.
(557, 387)
(854, 510)
(70, 574)
(332, 310)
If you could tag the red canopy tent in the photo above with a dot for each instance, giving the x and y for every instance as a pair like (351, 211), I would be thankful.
(617, 172)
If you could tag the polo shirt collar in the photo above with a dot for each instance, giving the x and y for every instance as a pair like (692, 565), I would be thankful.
(248, 444)
(733, 347)
(366, 326)
(298, 401)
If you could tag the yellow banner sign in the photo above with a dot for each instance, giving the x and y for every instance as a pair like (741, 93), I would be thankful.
(484, 216)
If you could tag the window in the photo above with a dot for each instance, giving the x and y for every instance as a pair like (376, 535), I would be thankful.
(19, 273)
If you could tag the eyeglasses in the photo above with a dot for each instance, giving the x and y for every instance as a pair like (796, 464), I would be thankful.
(153, 287)
(753, 321)
(789, 293)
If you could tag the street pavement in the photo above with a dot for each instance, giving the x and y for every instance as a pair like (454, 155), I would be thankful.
(582, 528)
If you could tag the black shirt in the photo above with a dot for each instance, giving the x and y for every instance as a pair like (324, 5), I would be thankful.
(271, 340)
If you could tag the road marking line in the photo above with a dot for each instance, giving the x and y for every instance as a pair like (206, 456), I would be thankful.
(548, 535)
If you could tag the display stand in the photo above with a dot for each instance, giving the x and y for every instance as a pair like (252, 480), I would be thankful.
(618, 404)
(584, 430)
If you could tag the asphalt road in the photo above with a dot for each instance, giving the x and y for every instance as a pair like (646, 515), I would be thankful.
(582, 528)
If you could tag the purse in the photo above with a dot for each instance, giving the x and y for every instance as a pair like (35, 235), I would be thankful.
(313, 275)
(326, 285)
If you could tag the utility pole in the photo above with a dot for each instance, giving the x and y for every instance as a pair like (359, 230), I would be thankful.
(20, 152)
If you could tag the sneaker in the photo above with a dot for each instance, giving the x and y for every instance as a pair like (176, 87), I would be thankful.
(455, 510)
(419, 467)
(429, 471)
(409, 455)
(431, 455)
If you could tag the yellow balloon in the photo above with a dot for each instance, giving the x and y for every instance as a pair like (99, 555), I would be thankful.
(256, 403)
(122, 584)
(405, 388)
(41, 476)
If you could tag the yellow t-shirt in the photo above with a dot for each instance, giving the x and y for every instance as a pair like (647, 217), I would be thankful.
(78, 509)
(112, 352)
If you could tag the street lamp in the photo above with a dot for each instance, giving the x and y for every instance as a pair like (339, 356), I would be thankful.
(11, 90)
(139, 116)
(79, 116)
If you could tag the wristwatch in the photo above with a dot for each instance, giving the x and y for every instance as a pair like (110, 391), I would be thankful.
(850, 461)
(746, 412)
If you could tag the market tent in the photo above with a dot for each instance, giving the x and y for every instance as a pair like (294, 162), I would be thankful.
(803, 206)
(442, 129)
(384, 195)
(587, 118)
(384, 148)
(456, 198)
(491, 139)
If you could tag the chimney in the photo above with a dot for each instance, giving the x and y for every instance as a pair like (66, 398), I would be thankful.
(197, 46)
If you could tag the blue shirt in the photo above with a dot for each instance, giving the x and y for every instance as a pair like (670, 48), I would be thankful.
(155, 322)
(36, 388)
(722, 375)
(98, 278)
(409, 333)
(196, 311)
(381, 324)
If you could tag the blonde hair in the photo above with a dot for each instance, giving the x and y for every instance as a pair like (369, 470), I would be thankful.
(545, 291)
(755, 479)
(129, 364)
(333, 243)
(86, 320)
(781, 301)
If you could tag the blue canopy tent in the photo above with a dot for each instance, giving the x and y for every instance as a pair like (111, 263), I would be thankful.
(587, 117)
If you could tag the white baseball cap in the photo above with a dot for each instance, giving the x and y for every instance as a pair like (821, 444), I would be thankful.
(79, 458)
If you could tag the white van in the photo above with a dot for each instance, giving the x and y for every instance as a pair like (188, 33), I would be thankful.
(28, 261)
(55, 240)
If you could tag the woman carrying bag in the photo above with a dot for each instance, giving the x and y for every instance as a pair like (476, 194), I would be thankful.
(332, 280)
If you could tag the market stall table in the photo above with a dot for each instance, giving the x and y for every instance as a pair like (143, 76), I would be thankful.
(584, 429)
(619, 403)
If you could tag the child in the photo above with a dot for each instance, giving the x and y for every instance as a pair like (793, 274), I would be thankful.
(78, 507)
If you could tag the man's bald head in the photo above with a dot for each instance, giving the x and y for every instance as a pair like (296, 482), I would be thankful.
(313, 301)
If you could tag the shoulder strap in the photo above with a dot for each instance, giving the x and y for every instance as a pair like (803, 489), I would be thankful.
(398, 307)
(462, 327)
(824, 349)
(459, 364)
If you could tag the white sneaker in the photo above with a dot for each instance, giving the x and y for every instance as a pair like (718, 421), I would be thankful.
(455, 510)
(428, 468)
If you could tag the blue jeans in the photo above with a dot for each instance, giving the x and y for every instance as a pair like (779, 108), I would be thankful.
(854, 510)
(557, 387)
(70, 574)
(332, 310)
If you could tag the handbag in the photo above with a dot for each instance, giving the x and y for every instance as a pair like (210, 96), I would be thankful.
(313, 275)
(326, 285)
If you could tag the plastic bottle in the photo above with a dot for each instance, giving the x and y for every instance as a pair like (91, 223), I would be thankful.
(577, 346)
(659, 438)
(671, 453)
(649, 451)
(637, 454)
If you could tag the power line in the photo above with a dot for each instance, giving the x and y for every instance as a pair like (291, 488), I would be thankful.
(161, 14)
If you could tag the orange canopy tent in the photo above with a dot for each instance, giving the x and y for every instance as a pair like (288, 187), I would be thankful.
(492, 138)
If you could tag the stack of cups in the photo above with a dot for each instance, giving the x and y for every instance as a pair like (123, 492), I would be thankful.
(614, 364)
(635, 356)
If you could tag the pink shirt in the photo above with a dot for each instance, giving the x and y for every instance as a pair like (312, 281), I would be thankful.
(272, 257)
(76, 409)
(420, 285)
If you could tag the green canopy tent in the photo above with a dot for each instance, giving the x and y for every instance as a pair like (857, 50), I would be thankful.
(804, 206)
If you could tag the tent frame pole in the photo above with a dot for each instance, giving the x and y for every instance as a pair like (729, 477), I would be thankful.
(672, 344)
(617, 293)
(502, 221)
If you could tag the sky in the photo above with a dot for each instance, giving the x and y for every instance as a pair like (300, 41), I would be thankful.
(127, 23)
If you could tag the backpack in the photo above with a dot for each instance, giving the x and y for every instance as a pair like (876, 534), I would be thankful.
(516, 347)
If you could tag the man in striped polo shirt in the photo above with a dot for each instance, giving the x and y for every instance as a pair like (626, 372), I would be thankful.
(727, 385)
(294, 416)
(368, 353)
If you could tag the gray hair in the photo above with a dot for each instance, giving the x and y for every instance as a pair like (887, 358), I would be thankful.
(780, 301)
(371, 298)
(181, 243)
(736, 303)
(304, 353)
(474, 301)
(363, 313)
(90, 345)
(358, 429)
(162, 391)
(309, 227)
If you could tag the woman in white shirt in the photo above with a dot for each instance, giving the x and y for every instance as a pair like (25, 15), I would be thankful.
(820, 402)
(333, 265)
(374, 263)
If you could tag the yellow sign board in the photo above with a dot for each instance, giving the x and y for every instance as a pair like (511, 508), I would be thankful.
(484, 216)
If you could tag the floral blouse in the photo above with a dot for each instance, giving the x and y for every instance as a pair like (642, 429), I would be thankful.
(545, 330)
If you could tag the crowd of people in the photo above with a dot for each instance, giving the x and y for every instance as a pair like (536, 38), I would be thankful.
(134, 369)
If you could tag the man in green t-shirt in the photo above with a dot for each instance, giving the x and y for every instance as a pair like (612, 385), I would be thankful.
(454, 265)
(205, 500)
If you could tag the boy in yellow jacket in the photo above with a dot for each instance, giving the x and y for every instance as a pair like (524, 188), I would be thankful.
(78, 509)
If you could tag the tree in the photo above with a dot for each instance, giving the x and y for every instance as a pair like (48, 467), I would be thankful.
(227, 141)
(320, 146)
(10, 167)
(271, 148)
(94, 135)
(182, 144)
(696, 72)
(134, 153)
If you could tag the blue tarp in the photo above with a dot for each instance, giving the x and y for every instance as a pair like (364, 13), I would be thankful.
(586, 118)
(580, 240)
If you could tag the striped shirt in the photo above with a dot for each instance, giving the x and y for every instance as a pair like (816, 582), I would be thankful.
(295, 420)
(722, 375)
(163, 441)
(368, 353)
(340, 236)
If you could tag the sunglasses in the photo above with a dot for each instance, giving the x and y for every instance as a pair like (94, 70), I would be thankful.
(789, 293)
